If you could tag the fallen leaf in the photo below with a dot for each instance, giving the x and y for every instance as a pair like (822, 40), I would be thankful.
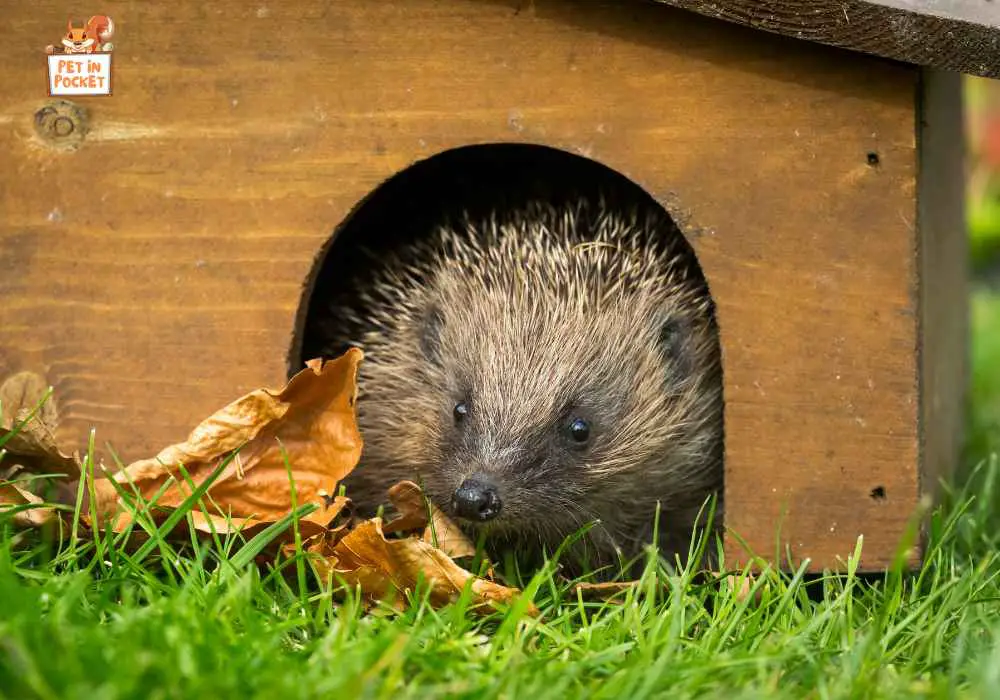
(24, 392)
(446, 535)
(742, 588)
(13, 496)
(437, 529)
(312, 417)
(409, 501)
(322, 543)
(33, 446)
(248, 527)
(384, 569)
(603, 591)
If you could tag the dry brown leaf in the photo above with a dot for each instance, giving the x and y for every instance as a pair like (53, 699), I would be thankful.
(742, 588)
(22, 393)
(409, 501)
(34, 447)
(447, 536)
(312, 416)
(322, 542)
(12, 495)
(603, 591)
(34, 444)
(387, 568)
(408, 498)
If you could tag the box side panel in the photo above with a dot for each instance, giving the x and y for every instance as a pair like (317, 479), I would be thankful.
(152, 273)
(944, 294)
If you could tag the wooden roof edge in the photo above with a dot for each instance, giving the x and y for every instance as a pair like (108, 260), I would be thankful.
(956, 35)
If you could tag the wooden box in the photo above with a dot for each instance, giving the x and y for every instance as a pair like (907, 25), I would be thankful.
(157, 246)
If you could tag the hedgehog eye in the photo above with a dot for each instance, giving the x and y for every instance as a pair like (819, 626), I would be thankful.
(461, 411)
(579, 430)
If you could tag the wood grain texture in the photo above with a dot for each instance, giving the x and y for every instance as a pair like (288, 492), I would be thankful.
(153, 273)
(956, 35)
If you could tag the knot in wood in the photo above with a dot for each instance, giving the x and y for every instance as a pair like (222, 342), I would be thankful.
(61, 124)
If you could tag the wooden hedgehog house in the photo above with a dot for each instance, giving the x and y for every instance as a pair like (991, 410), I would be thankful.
(159, 247)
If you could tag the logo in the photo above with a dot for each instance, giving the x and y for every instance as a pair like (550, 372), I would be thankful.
(80, 64)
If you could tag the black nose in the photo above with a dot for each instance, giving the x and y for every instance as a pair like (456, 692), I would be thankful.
(476, 500)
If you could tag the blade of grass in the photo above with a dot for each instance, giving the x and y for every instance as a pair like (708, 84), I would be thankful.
(255, 546)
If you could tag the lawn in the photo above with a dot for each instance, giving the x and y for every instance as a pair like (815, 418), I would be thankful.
(76, 625)
(79, 622)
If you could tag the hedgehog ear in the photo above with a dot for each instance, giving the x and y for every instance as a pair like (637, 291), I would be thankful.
(674, 336)
(430, 334)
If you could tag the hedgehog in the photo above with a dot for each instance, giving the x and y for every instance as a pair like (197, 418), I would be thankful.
(541, 371)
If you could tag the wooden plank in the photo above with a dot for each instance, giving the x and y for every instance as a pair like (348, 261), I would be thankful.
(956, 35)
(944, 290)
(153, 272)
(973, 11)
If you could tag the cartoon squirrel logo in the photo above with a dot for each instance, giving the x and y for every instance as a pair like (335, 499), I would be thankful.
(93, 37)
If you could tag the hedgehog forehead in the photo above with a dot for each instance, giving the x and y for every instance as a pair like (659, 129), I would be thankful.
(530, 357)
(537, 324)
(587, 272)
(537, 268)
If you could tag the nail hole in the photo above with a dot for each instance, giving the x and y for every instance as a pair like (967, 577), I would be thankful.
(873, 158)
(878, 493)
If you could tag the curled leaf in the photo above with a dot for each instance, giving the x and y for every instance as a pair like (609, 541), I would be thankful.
(22, 393)
(416, 512)
(603, 591)
(312, 418)
(27, 507)
(386, 569)
(411, 506)
(33, 445)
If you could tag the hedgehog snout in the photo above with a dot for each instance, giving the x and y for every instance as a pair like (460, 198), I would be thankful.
(476, 499)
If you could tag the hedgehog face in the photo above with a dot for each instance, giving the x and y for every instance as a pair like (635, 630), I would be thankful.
(542, 374)
(561, 414)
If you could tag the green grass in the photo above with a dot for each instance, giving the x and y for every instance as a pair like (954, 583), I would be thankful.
(175, 626)
(77, 626)
(983, 218)
(984, 415)
(91, 621)
(983, 191)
